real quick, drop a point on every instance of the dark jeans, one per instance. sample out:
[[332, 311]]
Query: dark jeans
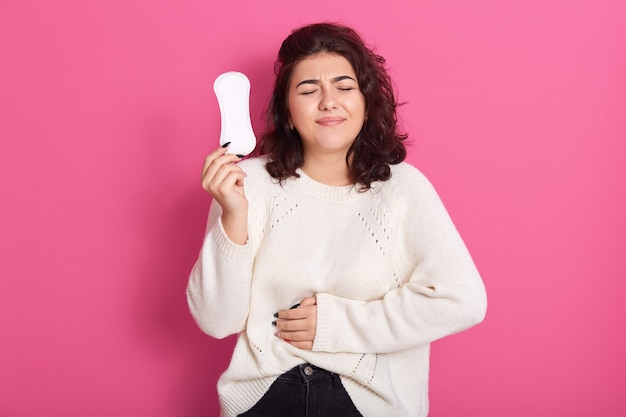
[[305, 391]]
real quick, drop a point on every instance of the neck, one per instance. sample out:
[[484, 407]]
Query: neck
[[328, 170]]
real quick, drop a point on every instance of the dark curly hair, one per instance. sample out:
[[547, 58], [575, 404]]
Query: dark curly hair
[[378, 144]]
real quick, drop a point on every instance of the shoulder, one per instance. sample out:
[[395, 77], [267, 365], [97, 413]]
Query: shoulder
[[405, 178], [405, 170], [408, 190]]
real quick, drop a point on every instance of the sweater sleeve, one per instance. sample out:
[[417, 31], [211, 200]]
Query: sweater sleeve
[[218, 290], [444, 293]]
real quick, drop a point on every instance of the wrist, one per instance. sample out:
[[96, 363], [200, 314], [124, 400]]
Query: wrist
[[236, 227]]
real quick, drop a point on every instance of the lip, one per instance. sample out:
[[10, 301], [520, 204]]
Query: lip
[[330, 121]]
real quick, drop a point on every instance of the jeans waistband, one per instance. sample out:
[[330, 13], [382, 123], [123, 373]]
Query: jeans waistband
[[306, 372]]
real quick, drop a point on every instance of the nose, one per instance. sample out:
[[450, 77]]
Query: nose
[[327, 100]]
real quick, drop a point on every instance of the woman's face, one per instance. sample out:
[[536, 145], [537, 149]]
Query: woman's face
[[325, 104]]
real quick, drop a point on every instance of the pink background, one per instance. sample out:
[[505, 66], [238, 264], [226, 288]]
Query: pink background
[[517, 112]]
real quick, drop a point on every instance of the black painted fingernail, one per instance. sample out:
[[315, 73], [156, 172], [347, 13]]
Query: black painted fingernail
[[276, 315], [240, 156], [274, 323], [295, 306], [226, 145]]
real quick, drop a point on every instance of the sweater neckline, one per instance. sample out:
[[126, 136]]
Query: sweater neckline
[[325, 191]]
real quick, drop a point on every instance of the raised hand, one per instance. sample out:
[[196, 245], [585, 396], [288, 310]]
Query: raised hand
[[223, 179]]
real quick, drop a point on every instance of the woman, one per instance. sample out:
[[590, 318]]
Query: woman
[[334, 261]]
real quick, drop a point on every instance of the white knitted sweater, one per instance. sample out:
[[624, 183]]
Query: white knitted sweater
[[389, 270]]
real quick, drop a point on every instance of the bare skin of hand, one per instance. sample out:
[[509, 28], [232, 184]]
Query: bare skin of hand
[[224, 181], [297, 325]]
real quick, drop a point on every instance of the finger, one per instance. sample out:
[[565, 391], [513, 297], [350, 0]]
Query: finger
[[211, 157], [299, 313], [216, 164], [301, 345], [222, 173], [299, 336], [292, 325], [309, 301], [295, 314], [216, 159], [216, 177]]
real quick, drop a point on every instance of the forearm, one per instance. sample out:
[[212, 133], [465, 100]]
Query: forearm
[[406, 317]]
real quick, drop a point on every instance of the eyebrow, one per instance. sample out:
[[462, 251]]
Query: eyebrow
[[334, 80]]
